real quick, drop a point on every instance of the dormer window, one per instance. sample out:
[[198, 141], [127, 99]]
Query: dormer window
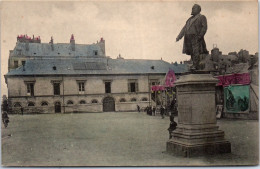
[[19, 52], [15, 64]]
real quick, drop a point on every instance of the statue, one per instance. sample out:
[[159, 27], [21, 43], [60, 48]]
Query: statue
[[193, 32]]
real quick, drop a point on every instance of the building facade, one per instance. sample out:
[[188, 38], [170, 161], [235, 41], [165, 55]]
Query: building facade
[[79, 78]]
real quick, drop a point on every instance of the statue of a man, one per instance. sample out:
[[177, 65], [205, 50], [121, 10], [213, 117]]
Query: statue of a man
[[193, 32]]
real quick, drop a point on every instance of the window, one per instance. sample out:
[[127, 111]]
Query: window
[[132, 86], [30, 104], [69, 102], [94, 101], [95, 52], [82, 102], [81, 86], [56, 88], [30, 89], [44, 104], [15, 64], [23, 62], [108, 87], [133, 100], [122, 100], [154, 82], [144, 99], [17, 104]]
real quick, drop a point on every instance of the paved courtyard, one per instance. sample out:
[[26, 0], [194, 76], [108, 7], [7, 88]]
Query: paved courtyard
[[112, 139]]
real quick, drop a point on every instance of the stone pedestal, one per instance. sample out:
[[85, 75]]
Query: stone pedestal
[[197, 132]]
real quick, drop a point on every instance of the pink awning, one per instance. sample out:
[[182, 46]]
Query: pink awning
[[227, 80], [158, 88]]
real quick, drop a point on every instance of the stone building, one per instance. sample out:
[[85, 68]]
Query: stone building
[[62, 78]]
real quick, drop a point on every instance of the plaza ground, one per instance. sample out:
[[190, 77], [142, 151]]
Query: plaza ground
[[113, 139]]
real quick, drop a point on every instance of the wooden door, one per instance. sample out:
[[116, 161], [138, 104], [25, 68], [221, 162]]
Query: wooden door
[[57, 107], [108, 104]]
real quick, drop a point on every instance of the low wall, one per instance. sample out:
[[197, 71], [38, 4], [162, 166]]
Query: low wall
[[131, 106], [94, 107]]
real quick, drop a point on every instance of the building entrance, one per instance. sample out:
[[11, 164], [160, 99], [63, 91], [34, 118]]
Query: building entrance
[[108, 104], [57, 107]]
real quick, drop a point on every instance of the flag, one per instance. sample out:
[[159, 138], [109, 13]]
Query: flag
[[170, 78]]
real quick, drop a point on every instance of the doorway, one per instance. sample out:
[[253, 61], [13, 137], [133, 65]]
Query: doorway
[[57, 107], [108, 104]]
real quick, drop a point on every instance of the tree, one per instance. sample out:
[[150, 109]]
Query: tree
[[4, 105]]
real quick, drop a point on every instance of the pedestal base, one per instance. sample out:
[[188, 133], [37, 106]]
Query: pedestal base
[[197, 132], [191, 150]]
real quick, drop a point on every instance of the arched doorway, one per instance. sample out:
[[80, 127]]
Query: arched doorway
[[57, 107], [108, 104]]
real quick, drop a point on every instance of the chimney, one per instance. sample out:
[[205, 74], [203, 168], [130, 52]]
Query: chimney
[[102, 46], [72, 42], [215, 54], [51, 42]]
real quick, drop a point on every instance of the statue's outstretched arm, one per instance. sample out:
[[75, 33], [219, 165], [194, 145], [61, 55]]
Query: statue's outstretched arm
[[181, 34]]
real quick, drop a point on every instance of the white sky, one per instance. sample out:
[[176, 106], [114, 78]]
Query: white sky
[[136, 30]]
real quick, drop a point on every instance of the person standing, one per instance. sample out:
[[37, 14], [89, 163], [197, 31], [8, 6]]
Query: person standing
[[22, 110], [154, 109], [138, 108], [162, 112], [5, 118], [194, 32], [172, 126]]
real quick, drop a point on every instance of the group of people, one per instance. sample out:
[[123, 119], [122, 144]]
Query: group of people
[[151, 110]]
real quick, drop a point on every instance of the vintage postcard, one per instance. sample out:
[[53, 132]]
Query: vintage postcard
[[129, 83]]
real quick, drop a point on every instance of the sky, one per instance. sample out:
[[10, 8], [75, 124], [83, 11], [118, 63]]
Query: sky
[[135, 29]]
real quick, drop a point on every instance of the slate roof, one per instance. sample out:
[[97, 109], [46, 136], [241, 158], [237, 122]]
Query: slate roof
[[60, 49], [106, 66]]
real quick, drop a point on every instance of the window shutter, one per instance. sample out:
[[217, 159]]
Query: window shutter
[[129, 87], [83, 86], [136, 86]]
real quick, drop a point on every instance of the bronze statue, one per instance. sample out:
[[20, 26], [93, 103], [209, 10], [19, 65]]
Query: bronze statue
[[193, 32]]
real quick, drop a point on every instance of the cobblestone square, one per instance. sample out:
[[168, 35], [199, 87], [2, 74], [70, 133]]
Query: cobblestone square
[[113, 139]]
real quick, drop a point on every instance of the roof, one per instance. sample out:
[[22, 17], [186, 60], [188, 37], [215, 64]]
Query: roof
[[102, 66], [59, 49], [238, 68]]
